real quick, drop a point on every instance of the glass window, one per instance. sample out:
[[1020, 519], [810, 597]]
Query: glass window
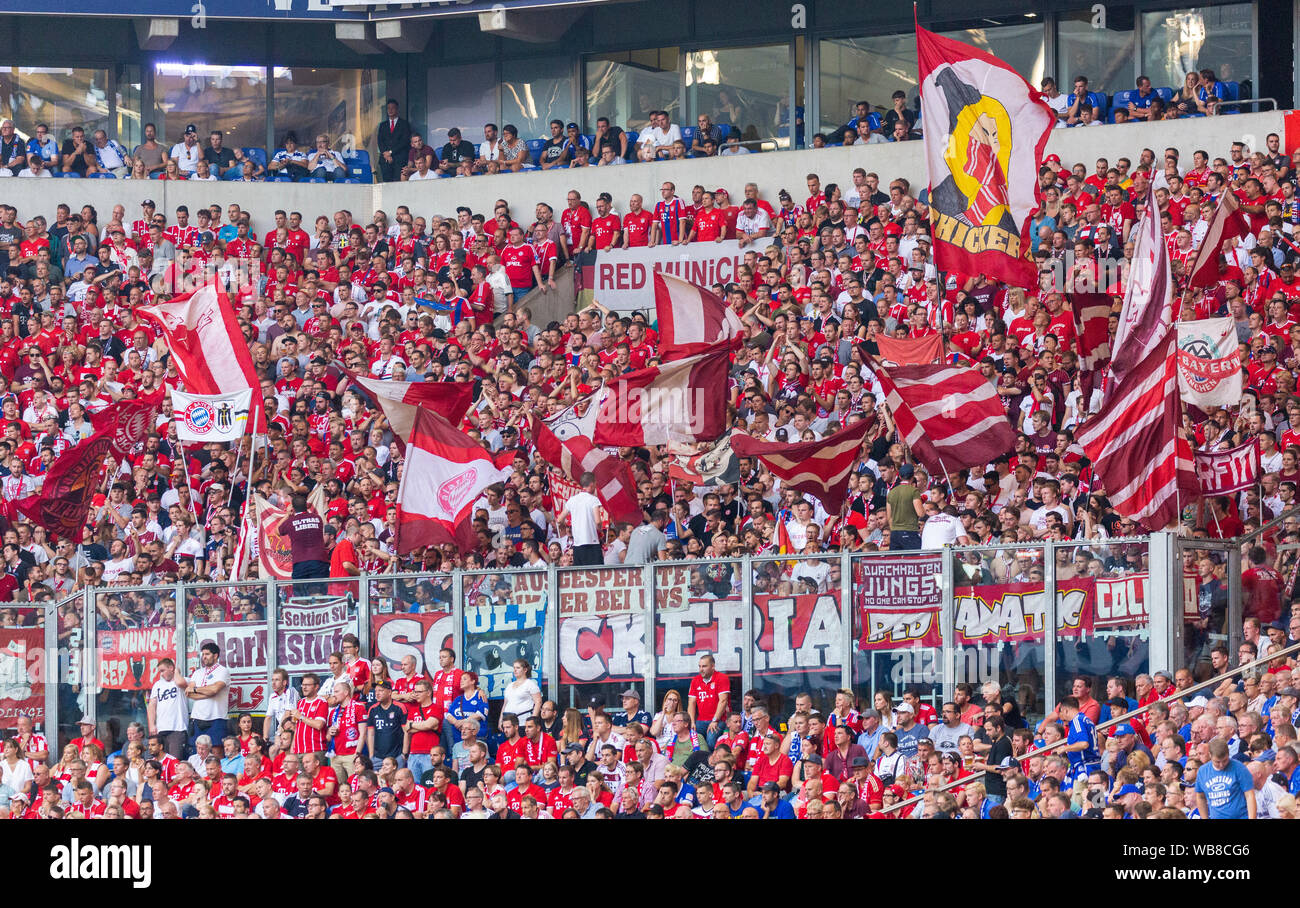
[[863, 69], [59, 97], [344, 104], [229, 99], [1176, 42], [462, 96], [534, 92], [1104, 55], [872, 69], [130, 130], [740, 87], [626, 86]]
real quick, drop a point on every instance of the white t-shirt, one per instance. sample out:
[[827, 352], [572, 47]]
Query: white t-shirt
[[186, 156], [427, 175], [582, 509], [519, 698], [169, 706], [212, 707], [940, 530]]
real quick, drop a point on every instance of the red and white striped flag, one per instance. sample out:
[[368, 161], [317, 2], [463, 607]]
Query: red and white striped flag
[[401, 399], [690, 318], [1133, 440], [1149, 297], [1227, 223], [685, 400], [950, 416], [444, 473], [211, 353], [615, 486], [817, 467], [1092, 325]]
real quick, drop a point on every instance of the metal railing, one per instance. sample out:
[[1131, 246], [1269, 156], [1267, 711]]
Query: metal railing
[[597, 630], [1101, 726]]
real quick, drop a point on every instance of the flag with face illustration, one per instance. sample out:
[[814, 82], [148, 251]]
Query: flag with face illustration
[[985, 131]]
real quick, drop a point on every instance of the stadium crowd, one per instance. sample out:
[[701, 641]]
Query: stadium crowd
[[438, 296]]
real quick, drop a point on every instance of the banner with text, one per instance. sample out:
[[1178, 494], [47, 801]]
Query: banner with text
[[897, 599], [22, 685], [623, 279], [418, 634], [128, 660], [505, 615]]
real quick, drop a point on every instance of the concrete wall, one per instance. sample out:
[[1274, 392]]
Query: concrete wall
[[772, 172]]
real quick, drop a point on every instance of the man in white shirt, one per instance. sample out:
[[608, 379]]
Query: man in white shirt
[[752, 223], [661, 134], [187, 152], [35, 167], [209, 688], [584, 511], [942, 528], [1055, 100], [167, 709]]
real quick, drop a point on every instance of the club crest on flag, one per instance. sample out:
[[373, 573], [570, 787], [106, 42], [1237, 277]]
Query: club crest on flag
[[453, 492], [1201, 366], [198, 417]]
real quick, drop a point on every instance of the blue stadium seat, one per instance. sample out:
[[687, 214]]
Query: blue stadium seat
[[103, 176], [688, 135], [631, 138], [73, 174], [591, 139], [258, 155], [535, 149], [358, 164], [1232, 90], [152, 176], [1098, 100], [1166, 93]]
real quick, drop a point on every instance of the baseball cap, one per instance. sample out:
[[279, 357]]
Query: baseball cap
[[904, 707], [859, 761], [1164, 674], [574, 748], [721, 191], [1128, 790], [771, 786], [1053, 158], [19, 796], [631, 692], [871, 714], [895, 790], [386, 789], [85, 721], [905, 471], [191, 128], [1198, 701], [1289, 692], [1122, 729]]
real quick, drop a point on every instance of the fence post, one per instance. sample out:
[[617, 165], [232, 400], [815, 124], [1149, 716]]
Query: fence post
[[1049, 624], [272, 633], [183, 630], [948, 624], [648, 631], [551, 634], [1235, 615], [1165, 605], [750, 652], [90, 658], [363, 616], [50, 727], [458, 615], [846, 621]]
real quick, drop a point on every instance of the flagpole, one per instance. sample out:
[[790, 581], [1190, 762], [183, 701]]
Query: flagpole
[[239, 449]]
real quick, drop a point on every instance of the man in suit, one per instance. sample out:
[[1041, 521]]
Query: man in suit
[[394, 140]]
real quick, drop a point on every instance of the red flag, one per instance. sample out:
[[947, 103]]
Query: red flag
[[211, 353], [444, 474], [685, 400], [615, 486], [817, 467], [950, 416], [70, 483], [985, 132], [1149, 297], [1133, 440], [1092, 325], [910, 351], [1227, 223], [690, 318], [400, 399]]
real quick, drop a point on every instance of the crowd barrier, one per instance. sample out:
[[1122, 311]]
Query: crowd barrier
[[1026, 617]]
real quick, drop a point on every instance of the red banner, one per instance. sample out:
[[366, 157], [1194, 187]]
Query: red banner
[[273, 552], [418, 634], [897, 599], [1010, 612], [128, 660], [910, 351], [1222, 472], [22, 685]]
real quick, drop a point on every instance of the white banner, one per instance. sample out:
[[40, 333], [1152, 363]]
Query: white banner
[[623, 279], [211, 417], [1209, 362]]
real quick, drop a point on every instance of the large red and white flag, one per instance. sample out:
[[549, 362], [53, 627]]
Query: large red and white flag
[[1092, 325], [401, 399], [685, 400], [950, 416], [1133, 440], [615, 486], [211, 353], [985, 131], [1226, 224], [690, 318], [444, 473], [820, 468], [1149, 297]]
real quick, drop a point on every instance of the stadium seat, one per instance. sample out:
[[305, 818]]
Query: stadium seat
[[258, 155], [358, 164], [1166, 93], [1232, 90], [688, 135], [103, 176], [1098, 100], [73, 174], [535, 147]]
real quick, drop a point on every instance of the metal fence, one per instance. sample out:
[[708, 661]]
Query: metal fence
[[1027, 618]]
